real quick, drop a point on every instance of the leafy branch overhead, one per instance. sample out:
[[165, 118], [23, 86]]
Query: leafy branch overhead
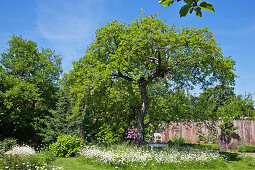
[[190, 6]]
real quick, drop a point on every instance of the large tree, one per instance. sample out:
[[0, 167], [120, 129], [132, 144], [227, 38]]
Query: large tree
[[145, 53], [28, 79]]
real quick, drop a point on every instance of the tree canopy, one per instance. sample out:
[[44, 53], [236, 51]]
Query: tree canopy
[[144, 53], [28, 79]]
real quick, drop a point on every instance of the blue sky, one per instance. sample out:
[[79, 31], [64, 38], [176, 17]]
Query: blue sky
[[67, 26]]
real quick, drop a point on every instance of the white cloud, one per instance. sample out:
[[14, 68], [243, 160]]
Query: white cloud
[[69, 25]]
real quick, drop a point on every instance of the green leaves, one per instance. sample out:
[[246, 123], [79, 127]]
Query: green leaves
[[191, 5], [166, 2], [28, 85], [184, 10], [198, 12], [206, 6], [188, 1]]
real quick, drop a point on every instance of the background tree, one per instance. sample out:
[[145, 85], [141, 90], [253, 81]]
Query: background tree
[[220, 101], [30, 82], [148, 52], [190, 6], [63, 121], [18, 100]]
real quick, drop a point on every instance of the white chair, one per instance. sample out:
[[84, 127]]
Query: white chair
[[157, 137]]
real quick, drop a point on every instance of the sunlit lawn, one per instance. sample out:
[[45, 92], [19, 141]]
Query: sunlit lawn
[[77, 163], [229, 161]]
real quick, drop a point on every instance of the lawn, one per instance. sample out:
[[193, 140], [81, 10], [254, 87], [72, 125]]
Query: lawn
[[130, 158], [77, 163], [124, 156]]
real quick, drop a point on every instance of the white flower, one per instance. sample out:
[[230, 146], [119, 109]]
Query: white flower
[[129, 155], [21, 150]]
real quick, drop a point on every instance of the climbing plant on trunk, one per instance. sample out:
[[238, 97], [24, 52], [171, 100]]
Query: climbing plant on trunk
[[145, 53]]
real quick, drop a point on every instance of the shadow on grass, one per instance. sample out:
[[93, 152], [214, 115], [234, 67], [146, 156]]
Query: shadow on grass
[[229, 156]]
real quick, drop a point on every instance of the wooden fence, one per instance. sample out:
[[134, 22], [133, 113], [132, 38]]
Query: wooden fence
[[190, 130]]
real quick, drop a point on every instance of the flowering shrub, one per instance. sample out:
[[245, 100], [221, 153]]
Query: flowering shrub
[[66, 146], [233, 146], [24, 157], [131, 137], [21, 150]]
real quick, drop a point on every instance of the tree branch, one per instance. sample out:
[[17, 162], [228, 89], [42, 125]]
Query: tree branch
[[149, 122], [123, 76]]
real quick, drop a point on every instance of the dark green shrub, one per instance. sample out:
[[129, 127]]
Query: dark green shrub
[[202, 138], [227, 130], [170, 143], [179, 140], [7, 144], [66, 146]]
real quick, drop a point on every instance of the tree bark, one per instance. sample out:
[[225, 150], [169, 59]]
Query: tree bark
[[141, 114]]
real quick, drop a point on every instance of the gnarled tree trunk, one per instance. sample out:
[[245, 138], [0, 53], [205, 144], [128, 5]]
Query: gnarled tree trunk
[[141, 114]]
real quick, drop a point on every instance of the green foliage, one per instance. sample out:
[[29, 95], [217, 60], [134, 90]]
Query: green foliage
[[246, 148], [201, 138], [221, 101], [66, 146], [60, 122], [242, 148], [111, 133], [191, 5], [28, 79], [7, 144], [238, 107], [208, 146], [179, 140], [227, 129]]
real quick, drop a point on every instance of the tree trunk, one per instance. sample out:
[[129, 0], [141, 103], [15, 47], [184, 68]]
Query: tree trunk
[[141, 114]]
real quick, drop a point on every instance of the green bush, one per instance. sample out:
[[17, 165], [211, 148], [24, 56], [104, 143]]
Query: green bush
[[170, 143], [246, 148], [179, 140], [242, 148], [7, 144], [66, 146], [250, 147], [210, 146], [110, 133], [202, 138]]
